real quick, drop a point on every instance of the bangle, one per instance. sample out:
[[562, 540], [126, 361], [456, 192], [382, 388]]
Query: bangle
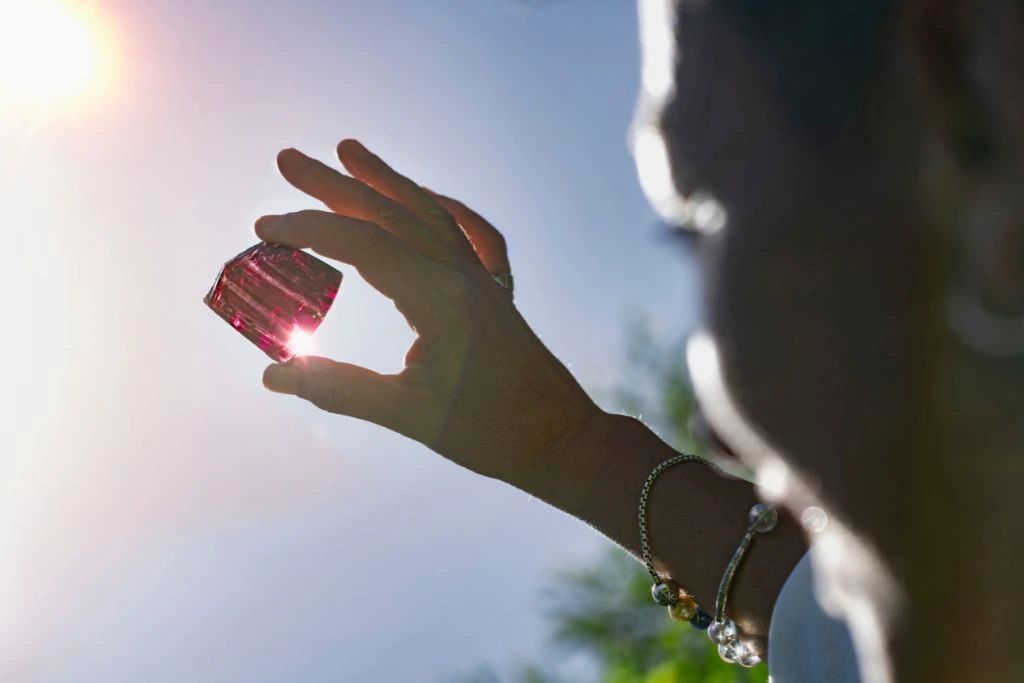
[[723, 631], [681, 605]]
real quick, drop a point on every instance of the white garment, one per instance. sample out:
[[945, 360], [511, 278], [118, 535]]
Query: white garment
[[806, 645]]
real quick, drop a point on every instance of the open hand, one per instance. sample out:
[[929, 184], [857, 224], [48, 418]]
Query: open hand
[[478, 386]]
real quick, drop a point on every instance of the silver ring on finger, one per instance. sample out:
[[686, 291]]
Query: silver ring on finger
[[504, 280]]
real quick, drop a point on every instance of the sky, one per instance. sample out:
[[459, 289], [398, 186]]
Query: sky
[[164, 518]]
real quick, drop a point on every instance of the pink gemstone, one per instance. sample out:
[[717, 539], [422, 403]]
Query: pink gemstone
[[269, 292]]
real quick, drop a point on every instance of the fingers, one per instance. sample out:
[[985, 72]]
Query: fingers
[[485, 238], [373, 171], [350, 197], [341, 388], [399, 272]]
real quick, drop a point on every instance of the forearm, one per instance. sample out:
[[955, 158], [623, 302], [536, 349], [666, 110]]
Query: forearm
[[696, 515]]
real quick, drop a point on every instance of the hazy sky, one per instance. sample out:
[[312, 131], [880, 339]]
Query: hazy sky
[[162, 517]]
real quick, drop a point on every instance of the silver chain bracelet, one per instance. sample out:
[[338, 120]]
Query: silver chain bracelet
[[681, 605]]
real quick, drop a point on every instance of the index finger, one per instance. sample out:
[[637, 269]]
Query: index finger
[[397, 271]]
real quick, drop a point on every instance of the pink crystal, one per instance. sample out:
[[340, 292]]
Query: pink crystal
[[268, 292]]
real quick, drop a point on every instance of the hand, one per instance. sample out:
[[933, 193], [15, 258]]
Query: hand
[[478, 386]]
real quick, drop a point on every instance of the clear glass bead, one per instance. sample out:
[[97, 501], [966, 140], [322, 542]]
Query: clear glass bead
[[738, 653], [748, 659], [721, 632], [766, 517], [665, 592], [729, 652]]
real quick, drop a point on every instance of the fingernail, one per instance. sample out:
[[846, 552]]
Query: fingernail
[[282, 379], [265, 224]]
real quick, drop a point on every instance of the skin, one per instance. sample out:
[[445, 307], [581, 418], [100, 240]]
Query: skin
[[480, 389], [860, 196]]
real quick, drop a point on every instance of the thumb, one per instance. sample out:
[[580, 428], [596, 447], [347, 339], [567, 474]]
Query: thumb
[[338, 388]]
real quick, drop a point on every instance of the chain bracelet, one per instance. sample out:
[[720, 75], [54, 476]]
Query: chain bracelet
[[645, 493], [681, 606]]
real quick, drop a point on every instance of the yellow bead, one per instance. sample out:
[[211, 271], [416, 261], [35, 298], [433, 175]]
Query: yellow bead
[[684, 610]]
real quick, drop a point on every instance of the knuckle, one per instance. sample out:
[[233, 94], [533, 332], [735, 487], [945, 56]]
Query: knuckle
[[381, 249], [303, 219], [365, 231], [375, 240], [318, 228], [458, 291], [437, 214], [322, 394], [390, 213], [326, 398]]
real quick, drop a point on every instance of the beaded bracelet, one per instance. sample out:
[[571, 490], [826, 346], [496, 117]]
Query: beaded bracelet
[[681, 605]]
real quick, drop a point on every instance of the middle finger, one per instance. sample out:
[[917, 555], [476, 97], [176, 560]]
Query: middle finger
[[350, 197], [375, 172]]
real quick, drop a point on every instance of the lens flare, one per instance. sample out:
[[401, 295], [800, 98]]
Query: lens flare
[[48, 49], [301, 342]]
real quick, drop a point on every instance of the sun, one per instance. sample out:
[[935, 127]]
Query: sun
[[49, 49]]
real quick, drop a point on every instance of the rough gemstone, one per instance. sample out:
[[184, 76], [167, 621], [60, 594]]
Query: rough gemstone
[[271, 292]]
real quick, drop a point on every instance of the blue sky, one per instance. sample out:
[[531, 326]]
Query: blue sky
[[162, 517]]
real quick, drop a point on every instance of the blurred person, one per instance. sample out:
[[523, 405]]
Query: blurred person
[[851, 173]]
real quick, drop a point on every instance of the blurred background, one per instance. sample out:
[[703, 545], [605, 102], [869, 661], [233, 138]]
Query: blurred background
[[164, 518]]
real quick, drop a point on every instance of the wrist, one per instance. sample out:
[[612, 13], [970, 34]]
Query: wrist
[[696, 515], [596, 470], [552, 466]]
